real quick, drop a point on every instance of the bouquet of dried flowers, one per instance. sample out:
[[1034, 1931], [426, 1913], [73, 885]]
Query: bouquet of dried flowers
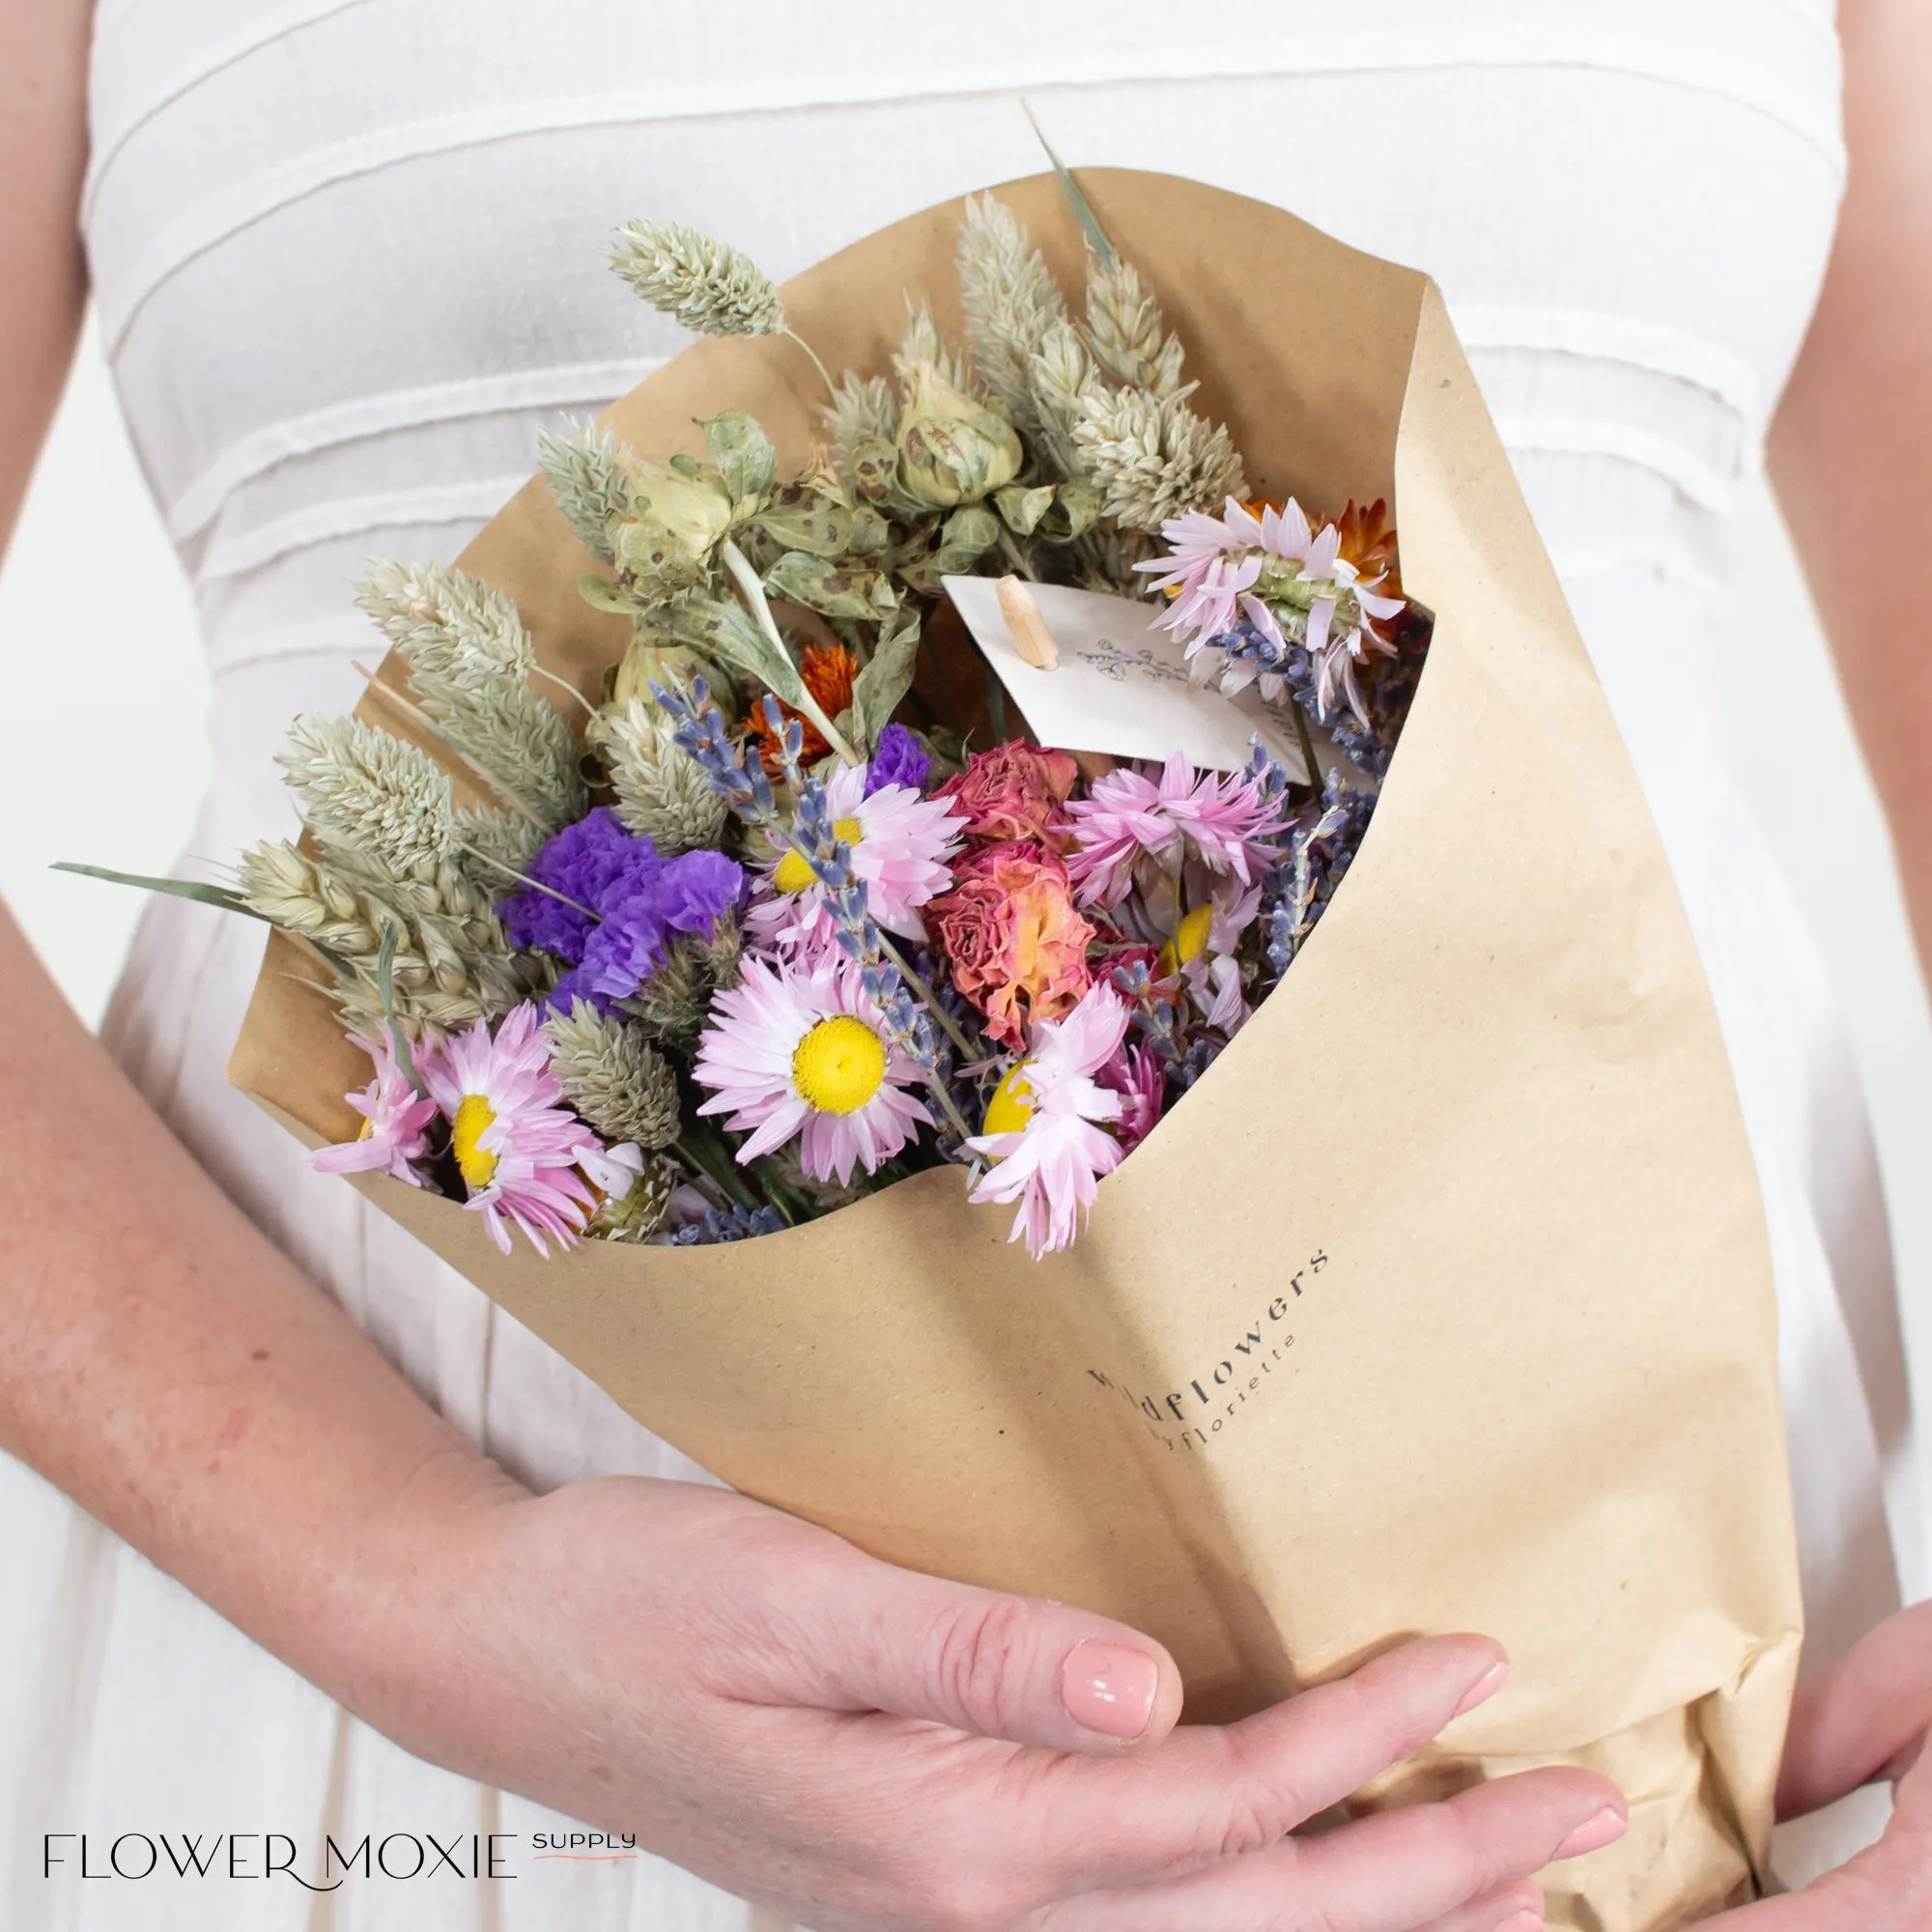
[[832, 834], [770, 929]]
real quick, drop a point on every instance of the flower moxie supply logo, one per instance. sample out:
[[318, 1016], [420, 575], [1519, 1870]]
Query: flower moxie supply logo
[[400, 1856], [1188, 1417]]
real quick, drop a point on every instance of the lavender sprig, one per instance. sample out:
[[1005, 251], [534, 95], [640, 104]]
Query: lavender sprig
[[1320, 853], [1156, 1021], [727, 1224], [908, 1022], [741, 782]]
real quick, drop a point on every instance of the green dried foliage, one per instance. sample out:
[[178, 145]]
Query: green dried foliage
[[861, 410], [673, 1003], [453, 964], [614, 1076], [662, 791], [517, 737], [1061, 379], [454, 628], [642, 1212], [468, 657], [1011, 302], [364, 793], [922, 349], [708, 286], [499, 844], [1124, 330], [1154, 458], [589, 480]]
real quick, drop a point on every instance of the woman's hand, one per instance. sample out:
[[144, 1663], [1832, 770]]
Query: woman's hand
[[861, 1747], [1864, 1718], [856, 1744]]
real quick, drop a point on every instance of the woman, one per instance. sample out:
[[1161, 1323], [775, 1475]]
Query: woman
[[346, 255]]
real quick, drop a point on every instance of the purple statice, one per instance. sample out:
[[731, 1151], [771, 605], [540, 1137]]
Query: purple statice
[[687, 894], [696, 890], [898, 758], [592, 862]]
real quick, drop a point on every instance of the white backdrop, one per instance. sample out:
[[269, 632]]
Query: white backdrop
[[101, 759]]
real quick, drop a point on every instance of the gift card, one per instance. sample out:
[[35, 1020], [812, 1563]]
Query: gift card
[[1119, 683]]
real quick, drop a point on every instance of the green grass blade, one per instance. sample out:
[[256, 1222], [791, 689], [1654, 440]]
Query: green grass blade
[[1083, 209], [177, 889]]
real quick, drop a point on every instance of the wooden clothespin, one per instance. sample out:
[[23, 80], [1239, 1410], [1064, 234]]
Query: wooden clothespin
[[1026, 626]]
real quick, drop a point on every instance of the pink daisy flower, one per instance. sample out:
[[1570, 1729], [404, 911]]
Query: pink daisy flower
[[1051, 1157], [1201, 953], [1197, 542], [1216, 817], [797, 1048], [395, 1123], [1213, 565], [900, 843], [1338, 651], [525, 1161], [1137, 1074]]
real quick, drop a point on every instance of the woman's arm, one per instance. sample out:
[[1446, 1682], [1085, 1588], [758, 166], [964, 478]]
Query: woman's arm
[[42, 155], [1850, 447]]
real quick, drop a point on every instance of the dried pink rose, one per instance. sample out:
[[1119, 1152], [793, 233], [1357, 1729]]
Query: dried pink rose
[[1014, 791], [1018, 946]]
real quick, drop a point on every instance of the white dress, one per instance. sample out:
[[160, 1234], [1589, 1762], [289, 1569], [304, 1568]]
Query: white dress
[[348, 258]]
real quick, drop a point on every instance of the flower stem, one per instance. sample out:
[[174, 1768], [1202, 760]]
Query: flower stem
[[720, 1173], [825, 374], [385, 985], [948, 1025], [1307, 742], [564, 684], [523, 878], [952, 1114], [740, 566], [1022, 563]]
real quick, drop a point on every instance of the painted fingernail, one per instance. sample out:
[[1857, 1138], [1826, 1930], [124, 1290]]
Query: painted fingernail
[[1485, 1687], [1108, 1688], [1594, 1833]]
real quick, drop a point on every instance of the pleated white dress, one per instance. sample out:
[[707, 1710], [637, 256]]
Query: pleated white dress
[[349, 259]]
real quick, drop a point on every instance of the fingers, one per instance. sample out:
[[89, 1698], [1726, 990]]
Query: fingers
[[1422, 1866], [875, 1637], [1208, 1792], [1859, 1718], [1516, 1907]]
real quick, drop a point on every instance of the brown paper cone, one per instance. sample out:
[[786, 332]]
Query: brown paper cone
[[1442, 1303]]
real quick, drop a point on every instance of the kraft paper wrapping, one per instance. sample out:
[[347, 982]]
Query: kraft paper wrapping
[[1442, 1303]]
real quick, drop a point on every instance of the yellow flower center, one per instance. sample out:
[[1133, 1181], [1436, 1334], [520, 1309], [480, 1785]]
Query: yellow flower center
[[794, 874], [474, 1115], [1189, 939], [1012, 1106], [839, 1066]]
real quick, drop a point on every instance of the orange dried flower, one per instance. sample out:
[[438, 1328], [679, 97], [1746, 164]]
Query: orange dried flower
[[828, 671], [1368, 542]]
